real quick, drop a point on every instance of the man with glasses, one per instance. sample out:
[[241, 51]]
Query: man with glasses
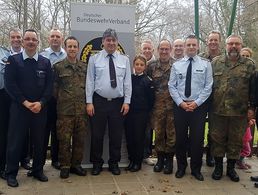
[[15, 38], [162, 113], [230, 103], [28, 81]]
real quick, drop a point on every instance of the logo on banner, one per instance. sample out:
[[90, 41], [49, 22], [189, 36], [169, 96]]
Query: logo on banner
[[94, 46]]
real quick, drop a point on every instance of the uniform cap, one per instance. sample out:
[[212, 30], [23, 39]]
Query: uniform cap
[[109, 33]]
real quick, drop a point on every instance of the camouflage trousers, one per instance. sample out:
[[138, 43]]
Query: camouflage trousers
[[71, 132], [163, 124], [227, 134]]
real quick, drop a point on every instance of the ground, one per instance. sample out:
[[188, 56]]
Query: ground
[[143, 182]]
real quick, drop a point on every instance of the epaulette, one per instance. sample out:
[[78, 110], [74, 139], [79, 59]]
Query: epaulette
[[42, 51], [57, 63], [218, 57], [251, 60], [3, 47], [244, 60], [82, 63], [123, 54], [7, 62], [149, 78], [95, 54], [152, 62], [205, 59], [202, 54]]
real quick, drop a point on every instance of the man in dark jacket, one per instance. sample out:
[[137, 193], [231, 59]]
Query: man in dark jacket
[[28, 81]]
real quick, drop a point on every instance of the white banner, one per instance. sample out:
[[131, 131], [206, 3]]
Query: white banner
[[99, 17]]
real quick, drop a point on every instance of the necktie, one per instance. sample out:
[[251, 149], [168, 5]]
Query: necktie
[[112, 71], [188, 79]]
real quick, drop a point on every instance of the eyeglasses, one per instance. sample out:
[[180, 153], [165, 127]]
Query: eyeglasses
[[164, 49], [232, 43], [31, 39]]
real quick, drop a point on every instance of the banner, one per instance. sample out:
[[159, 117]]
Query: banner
[[89, 21]]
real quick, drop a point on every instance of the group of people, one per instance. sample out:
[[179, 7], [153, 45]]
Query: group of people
[[52, 91]]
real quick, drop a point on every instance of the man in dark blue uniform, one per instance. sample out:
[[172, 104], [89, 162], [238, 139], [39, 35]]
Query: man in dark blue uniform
[[15, 38], [28, 81]]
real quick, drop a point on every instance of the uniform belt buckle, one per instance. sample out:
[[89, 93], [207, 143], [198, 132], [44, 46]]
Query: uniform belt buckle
[[109, 99]]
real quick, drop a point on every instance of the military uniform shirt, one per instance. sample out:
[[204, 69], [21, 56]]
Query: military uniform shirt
[[53, 56], [201, 82], [160, 72], [70, 87], [231, 86], [98, 79]]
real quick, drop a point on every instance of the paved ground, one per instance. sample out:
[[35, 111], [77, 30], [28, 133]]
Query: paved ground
[[141, 183]]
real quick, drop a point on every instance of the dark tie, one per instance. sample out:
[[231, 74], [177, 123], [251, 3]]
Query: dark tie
[[188, 79], [112, 71]]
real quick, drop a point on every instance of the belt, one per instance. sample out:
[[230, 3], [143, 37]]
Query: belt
[[107, 99]]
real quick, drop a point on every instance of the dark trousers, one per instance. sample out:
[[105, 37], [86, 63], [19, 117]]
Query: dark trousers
[[4, 120], [148, 142], [5, 103], [51, 129], [195, 123], [106, 113], [21, 120], [135, 128]]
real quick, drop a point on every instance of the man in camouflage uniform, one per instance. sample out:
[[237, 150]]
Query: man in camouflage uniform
[[213, 50], [231, 98], [213, 45], [162, 116], [71, 109]]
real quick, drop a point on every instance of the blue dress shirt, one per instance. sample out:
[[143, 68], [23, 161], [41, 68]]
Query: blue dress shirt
[[201, 82], [4, 54], [98, 79], [53, 56]]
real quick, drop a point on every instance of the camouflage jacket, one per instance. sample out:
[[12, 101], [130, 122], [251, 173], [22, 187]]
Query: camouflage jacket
[[70, 87], [160, 76], [206, 55], [231, 86]]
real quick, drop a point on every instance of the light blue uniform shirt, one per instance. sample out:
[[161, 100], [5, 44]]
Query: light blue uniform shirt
[[98, 79], [4, 54], [53, 56], [201, 82]]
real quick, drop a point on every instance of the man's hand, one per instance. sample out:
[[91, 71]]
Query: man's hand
[[184, 105], [90, 109], [188, 106], [36, 107], [125, 109], [27, 104], [191, 106]]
